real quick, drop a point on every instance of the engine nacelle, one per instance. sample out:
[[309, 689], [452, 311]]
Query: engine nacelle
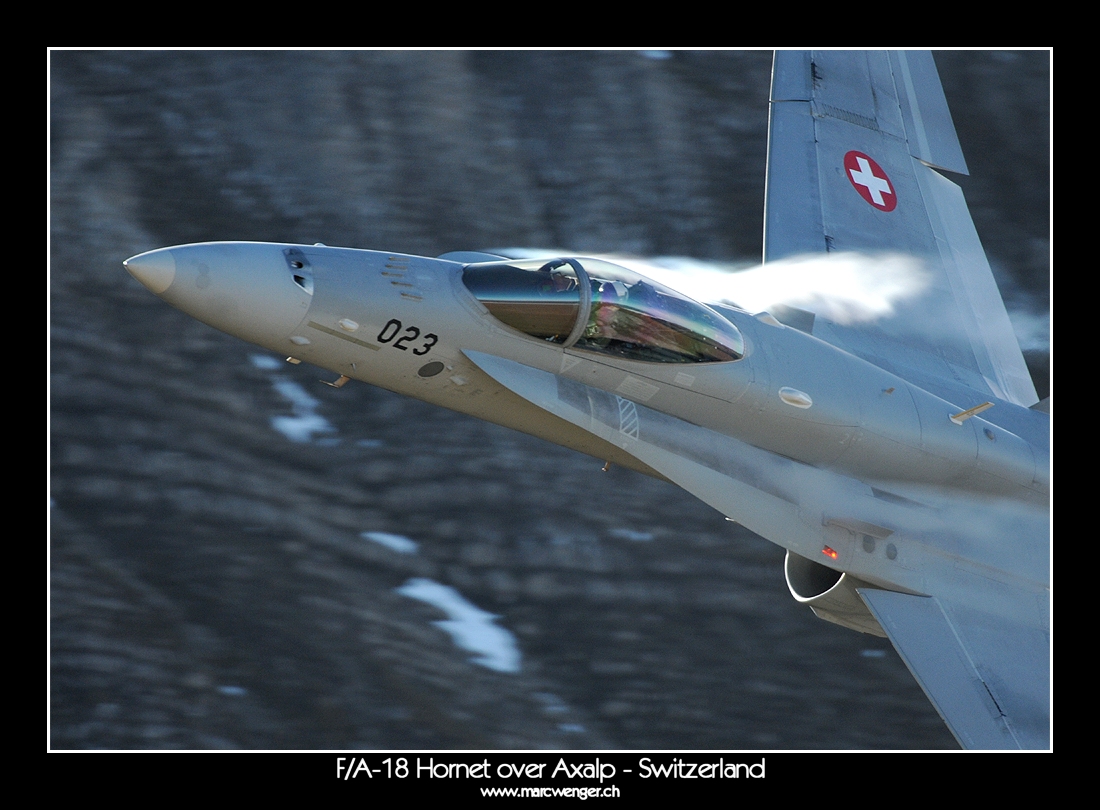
[[830, 594]]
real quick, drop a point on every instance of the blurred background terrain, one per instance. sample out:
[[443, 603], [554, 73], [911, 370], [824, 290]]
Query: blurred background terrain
[[244, 558]]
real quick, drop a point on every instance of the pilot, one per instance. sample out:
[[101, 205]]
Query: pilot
[[554, 283]]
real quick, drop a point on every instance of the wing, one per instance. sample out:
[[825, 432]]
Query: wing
[[980, 671], [856, 138]]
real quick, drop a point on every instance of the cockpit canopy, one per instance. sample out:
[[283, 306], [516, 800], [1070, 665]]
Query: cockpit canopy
[[595, 305]]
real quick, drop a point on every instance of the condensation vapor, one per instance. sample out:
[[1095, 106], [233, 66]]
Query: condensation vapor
[[846, 288]]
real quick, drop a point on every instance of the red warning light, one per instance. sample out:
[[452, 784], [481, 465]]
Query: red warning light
[[829, 552]]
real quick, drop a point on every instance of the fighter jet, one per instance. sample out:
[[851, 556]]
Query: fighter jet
[[903, 461]]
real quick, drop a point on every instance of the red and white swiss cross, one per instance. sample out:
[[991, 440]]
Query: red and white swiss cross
[[872, 183]]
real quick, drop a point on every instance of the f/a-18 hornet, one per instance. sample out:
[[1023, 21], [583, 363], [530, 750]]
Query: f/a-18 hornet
[[903, 462]]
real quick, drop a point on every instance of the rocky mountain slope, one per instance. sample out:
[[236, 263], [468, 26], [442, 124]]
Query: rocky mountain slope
[[221, 578]]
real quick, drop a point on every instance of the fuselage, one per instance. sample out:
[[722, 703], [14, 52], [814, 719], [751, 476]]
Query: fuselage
[[866, 479], [404, 323]]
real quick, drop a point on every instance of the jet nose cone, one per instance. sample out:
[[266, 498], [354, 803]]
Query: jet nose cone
[[155, 269]]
